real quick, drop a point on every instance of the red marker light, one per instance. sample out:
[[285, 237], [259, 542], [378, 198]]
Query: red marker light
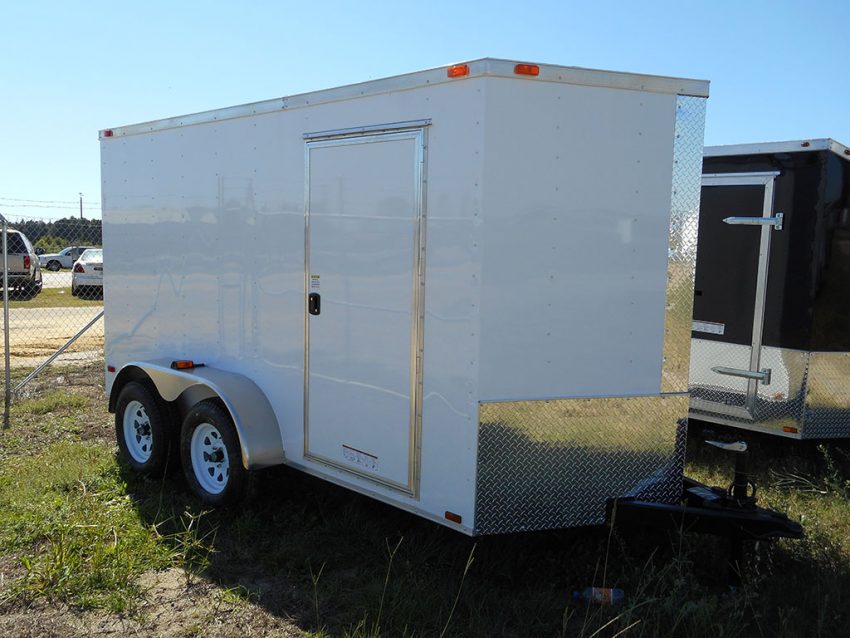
[[527, 69], [805, 144], [454, 518], [110, 368], [458, 71]]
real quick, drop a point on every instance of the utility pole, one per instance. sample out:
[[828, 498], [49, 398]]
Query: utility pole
[[81, 205]]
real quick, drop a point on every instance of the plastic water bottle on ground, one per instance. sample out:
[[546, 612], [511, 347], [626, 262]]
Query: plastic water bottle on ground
[[600, 595]]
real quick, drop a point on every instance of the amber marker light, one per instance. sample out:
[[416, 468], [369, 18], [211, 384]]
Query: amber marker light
[[527, 69], [790, 430], [182, 364], [458, 71], [454, 518]]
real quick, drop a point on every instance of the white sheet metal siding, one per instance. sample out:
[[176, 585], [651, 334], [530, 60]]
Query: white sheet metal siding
[[576, 219], [204, 234]]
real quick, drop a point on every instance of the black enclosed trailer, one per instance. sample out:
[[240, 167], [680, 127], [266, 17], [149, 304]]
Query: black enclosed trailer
[[770, 347]]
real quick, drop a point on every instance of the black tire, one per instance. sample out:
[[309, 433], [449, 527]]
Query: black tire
[[234, 486], [75, 292], [53, 265], [33, 288], [160, 433]]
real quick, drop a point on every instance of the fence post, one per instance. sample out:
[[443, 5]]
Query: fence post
[[7, 399]]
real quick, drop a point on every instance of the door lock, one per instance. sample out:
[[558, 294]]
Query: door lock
[[314, 303]]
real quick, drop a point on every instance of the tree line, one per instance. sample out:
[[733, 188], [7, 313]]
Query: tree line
[[52, 236]]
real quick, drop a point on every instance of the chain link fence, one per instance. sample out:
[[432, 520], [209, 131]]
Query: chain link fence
[[52, 297]]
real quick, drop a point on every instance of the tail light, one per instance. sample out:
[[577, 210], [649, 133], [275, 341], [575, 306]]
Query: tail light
[[78, 267], [26, 262]]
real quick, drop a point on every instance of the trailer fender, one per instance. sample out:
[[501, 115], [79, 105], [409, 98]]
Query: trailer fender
[[252, 414]]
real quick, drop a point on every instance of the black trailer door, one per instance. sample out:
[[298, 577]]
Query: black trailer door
[[735, 227]]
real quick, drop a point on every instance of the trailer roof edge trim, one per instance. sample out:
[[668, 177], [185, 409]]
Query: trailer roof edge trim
[[790, 146], [485, 67]]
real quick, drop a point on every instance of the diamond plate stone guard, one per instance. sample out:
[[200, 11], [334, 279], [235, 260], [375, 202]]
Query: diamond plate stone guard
[[555, 464], [682, 249]]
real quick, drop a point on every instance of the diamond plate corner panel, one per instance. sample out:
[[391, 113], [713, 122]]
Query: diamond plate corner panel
[[723, 399], [682, 249], [555, 464], [828, 396]]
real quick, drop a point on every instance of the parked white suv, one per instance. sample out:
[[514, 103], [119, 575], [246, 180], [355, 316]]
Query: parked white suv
[[65, 258]]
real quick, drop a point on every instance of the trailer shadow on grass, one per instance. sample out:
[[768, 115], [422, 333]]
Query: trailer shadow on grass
[[337, 563]]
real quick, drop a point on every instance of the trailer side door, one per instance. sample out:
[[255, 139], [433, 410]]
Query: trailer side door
[[364, 223]]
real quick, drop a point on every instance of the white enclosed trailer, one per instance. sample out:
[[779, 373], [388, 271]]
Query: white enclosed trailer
[[465, 291]]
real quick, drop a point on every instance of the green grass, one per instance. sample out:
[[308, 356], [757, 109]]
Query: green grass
[[50, 401], [54, 298], [83, 530], [67, 512]]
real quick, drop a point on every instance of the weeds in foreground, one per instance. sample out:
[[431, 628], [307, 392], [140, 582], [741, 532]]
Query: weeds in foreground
[[83, 532]]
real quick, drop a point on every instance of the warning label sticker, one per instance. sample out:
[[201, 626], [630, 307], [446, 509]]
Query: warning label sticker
[[314, 282]]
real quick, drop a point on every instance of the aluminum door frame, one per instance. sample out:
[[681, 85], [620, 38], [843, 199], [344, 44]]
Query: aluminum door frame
[[416, 130], [767, 180]]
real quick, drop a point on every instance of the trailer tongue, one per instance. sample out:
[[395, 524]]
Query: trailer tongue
[[730, 512]]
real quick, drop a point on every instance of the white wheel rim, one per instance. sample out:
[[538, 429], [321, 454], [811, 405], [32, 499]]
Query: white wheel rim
[[209, 458], [137, 432]]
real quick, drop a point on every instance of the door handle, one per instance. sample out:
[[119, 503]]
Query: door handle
[[762, 375], [314, 303], [775, 221]]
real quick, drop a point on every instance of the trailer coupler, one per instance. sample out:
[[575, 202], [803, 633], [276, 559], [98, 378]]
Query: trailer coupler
[[732, 512], [706, 510]]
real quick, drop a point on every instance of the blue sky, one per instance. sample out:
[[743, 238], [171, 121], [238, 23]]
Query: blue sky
[[778, 70]]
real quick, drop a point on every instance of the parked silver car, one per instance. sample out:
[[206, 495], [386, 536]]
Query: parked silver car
[[87, 275], [65, 258]]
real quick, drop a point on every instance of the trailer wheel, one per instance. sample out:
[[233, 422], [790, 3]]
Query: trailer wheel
[[142, 430], [212, 457]]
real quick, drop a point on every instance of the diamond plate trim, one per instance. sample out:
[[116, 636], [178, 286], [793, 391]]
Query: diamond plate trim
[[555, 464], [682, 249], [828, 396]]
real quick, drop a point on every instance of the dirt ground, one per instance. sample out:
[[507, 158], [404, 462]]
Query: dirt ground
[[36, 333], [170, 609]]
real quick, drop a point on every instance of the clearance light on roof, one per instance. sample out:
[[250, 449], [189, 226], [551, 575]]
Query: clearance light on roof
[[107, 133], [805, 144], [847, 151], [527, 69], [458, 71]]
